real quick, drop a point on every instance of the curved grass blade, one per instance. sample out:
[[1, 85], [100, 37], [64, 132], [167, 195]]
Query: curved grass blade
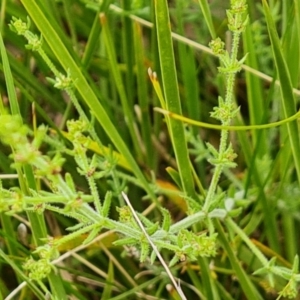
[[171, 94], [221, 127], [291, 54]]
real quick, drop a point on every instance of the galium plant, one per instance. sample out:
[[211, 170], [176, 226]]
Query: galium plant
[[210, 211], [75, 204]]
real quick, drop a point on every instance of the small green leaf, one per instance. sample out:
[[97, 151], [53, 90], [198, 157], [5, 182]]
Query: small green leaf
[[173, 261], [166, 224], [175, 176], [70, 182], [106, 204], [145, 248], [153, 257], [92, 235], [126, 241]]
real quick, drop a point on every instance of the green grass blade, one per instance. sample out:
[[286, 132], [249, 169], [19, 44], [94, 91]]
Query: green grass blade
[[188, 70], [291, 50], [243, 279], [253, 175], [28, 80], [297, 17], [286, 89], [127, 52], [93, 39], [107, 293], [256, 103], [170, 87], [207, 16], [291, 55], [209, 284], [141, 74], [2, 15], [13, 101], [127, 108], [67, 6]]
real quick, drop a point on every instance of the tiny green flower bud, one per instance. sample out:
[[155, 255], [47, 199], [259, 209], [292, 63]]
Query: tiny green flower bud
[[217, 46]]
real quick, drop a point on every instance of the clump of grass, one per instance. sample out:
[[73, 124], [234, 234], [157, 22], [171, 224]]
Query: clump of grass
[[210, 209]]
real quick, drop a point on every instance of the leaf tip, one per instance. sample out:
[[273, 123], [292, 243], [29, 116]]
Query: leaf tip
[[152, 75]]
